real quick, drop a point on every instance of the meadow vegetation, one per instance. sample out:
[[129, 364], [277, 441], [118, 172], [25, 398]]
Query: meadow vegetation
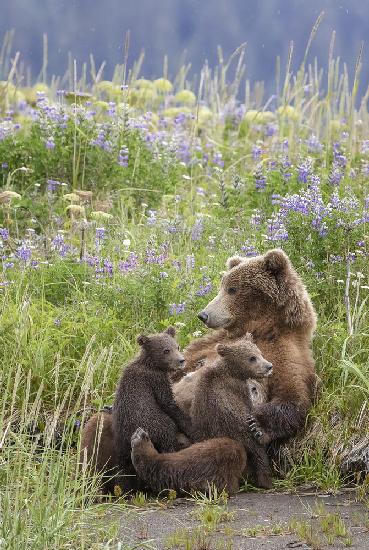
[[120, 202]]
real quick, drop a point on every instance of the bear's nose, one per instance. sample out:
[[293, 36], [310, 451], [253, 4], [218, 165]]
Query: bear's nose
[[182, 361], [269, 366], [203, 316]]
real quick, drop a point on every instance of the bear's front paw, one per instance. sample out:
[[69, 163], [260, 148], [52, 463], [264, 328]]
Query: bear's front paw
[[256, 432], [139, 436]]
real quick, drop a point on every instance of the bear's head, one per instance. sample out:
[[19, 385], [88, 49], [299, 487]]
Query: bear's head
[[263, 287], [243, 359], [161, 350]]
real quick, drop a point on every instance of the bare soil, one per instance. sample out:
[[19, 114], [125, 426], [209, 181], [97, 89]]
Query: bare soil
[[256, 521]]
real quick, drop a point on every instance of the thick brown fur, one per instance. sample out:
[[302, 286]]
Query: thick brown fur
[[144, 398], [223, 401], [98, 450], [265, 296], [219, 461], [184, 390]]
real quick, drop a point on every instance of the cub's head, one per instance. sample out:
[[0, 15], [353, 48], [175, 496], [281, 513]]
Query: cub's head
[[256, 288], [161, 350], [244, 358]]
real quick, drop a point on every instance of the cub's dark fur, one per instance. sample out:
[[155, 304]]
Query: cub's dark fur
[[222, 402], [98, 450], [220, 461], [144, 399]]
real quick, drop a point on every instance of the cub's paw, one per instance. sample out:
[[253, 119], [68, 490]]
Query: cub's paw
[[139, 436], [254, 428]]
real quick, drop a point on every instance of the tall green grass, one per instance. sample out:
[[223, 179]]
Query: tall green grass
[[66, 331]]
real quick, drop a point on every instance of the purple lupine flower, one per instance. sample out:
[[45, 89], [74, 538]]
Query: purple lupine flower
[[271, 129], [50, 144], [335, 175], [4, 165], [334, 259], [276, 230], [256, 219], [152, 219], [57, 322], [177, 309], [276, 199], [304, 170], [59, 245], [260, 178], [350, 257], [130, 264], [8, 265], [338, 157], [52, 185], [197, 229], [100, 234], [204, 288], [108, 267], [24, 253], [4, 234], [249, 250], [218, 160], [152, 257], [256, 152], [92, 260], [163, 275], [314, 144]]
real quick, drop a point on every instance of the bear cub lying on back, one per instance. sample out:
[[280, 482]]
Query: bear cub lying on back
[[222, 402], [144, 398]]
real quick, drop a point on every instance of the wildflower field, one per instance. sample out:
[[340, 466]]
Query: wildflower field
[[120, 201]]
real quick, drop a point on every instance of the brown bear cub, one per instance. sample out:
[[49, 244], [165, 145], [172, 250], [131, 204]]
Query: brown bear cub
[[219, 461], [98, 451], [144, 398], [223, 401]]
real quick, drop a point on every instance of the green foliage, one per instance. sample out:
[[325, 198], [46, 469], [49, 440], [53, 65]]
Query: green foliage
[[104, 244]]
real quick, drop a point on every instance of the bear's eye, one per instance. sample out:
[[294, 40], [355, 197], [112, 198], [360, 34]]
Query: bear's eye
[[232, 290], [252, 358], [166, 351]]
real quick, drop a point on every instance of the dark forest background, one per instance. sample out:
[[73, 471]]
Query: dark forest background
[[172, 26]]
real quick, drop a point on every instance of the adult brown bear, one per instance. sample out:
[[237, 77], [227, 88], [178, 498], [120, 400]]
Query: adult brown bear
[[265, 296]]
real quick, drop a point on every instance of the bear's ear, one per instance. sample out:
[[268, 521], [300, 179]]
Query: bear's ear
[[248, 337], [276, 261], [143, 340], [171, 331], [222, 349], [233, 261]]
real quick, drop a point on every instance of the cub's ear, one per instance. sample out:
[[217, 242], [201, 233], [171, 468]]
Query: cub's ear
[[248, 337], [222, 349], [171, 331], [233, 261], [143, 340], [276, 261]]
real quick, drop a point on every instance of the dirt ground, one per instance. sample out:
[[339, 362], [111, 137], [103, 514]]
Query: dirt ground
[[252, 521]]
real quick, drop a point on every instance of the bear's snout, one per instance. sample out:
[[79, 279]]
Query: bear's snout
[[182, 361], [203, 316]]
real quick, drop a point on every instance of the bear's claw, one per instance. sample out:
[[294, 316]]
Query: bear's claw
[[254, 427], [138, 436]]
